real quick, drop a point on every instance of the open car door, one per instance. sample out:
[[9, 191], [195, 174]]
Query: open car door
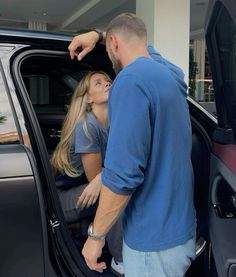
[[221, 45]]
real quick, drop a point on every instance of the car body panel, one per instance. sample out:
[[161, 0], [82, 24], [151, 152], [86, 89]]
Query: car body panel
[[22, 232], [221, 52]]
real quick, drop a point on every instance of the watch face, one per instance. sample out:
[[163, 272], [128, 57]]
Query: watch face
[[92, 236]]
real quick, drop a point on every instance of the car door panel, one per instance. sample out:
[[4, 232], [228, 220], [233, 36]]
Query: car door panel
[[222, 235], [23, 250], [220, 38], [222, 216]]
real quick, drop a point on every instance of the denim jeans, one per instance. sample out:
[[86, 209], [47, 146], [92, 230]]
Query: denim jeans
[[172, 262]]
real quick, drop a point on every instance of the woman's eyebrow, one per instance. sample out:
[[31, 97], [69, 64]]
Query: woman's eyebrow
[[98, 79]]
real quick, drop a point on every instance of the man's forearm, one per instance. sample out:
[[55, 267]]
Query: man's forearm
[[103, 39], [109, 209]]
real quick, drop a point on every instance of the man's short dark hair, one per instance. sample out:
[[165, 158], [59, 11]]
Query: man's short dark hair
[[127, 24]]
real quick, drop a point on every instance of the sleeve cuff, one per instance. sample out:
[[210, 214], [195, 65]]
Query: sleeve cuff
[[112, 182]]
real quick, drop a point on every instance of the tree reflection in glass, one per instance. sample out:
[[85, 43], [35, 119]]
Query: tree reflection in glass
[[3, 118]]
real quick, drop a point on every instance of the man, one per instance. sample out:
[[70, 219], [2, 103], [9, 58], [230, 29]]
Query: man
[[148, 171]]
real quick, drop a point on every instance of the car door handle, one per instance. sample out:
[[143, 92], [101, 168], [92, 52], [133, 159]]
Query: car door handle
[[223, 199], [233, 200]]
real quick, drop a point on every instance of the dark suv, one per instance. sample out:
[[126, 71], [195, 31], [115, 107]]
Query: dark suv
[[37, 79]]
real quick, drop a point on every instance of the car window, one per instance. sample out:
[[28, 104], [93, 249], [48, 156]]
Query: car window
[[200, 79], [8, 130], [44, 81]]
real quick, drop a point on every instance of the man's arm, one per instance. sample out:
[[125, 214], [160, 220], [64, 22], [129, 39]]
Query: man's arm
[[82, 44], [109, 209]]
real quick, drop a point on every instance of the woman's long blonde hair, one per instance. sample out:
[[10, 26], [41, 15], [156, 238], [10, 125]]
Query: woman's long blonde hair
[[78, 110]]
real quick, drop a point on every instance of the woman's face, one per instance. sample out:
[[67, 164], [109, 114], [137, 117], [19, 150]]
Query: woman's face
[[99, 88]]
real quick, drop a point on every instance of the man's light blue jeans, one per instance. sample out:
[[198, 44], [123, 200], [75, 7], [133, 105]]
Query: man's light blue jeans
[[172, 262]]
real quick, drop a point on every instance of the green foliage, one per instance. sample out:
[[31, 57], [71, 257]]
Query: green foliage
[[3, 118]]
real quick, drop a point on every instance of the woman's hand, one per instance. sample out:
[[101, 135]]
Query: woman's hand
[[90, 194]]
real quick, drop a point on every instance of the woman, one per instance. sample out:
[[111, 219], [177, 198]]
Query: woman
[[79, 156]]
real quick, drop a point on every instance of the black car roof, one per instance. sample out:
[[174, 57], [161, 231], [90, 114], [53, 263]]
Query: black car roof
[[98, 58], [34, 34], [33, 37]]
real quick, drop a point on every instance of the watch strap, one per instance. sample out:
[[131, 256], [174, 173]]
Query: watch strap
[[100, 34], [92, 236]]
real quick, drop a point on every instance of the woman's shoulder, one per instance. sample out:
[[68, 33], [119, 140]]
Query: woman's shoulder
[[92, 122], [87, 124]]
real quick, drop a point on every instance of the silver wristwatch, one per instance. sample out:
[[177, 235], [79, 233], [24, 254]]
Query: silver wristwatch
[[92, 236]]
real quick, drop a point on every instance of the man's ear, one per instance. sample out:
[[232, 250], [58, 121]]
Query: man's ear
[[114, 43]]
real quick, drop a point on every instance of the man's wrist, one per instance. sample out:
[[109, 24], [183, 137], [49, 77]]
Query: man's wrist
[[100, 35], [94, 236]]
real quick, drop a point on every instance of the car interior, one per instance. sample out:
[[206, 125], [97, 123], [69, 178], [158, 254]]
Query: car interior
[[50, 80]]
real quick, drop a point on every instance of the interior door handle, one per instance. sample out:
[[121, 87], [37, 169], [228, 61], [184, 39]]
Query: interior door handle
[[233, 199], [223, 198], [214, 188]]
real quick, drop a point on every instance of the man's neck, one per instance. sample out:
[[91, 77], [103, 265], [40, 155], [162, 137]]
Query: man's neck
[[126, 50], [131, 54]]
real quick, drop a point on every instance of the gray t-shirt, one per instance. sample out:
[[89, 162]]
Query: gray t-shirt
[[94, 141]]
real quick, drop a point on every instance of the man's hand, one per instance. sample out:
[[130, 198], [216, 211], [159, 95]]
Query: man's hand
[[90, 194], [82, 44], [92, 250]]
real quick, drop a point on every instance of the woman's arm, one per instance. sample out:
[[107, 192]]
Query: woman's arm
[[92, 164]]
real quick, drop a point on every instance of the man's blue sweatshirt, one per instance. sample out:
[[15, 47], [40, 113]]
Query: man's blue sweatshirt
[[149, 153]]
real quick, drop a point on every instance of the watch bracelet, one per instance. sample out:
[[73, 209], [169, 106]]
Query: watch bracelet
[[92, 236]]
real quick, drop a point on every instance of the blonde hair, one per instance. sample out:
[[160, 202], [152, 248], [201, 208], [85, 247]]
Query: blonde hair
[[78, 110]]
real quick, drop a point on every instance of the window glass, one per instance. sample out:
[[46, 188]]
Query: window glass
[[200, 79], [8, 131]]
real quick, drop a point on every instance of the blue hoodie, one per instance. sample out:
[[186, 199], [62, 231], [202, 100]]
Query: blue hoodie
[[149, 153]]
